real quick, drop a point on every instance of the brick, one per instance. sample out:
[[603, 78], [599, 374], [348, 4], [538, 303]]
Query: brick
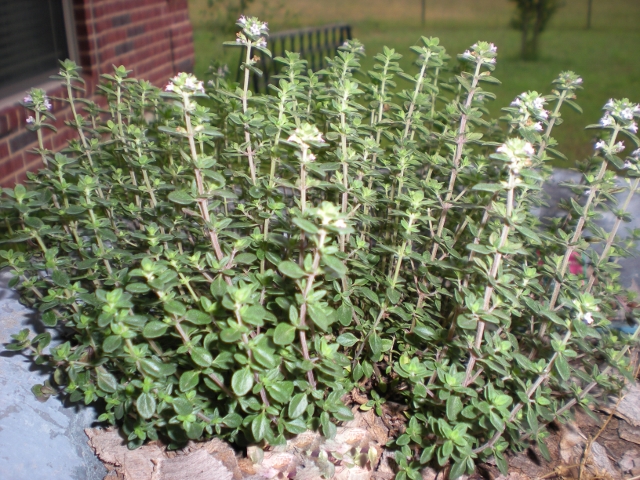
[[124, 48], [4, 151], [11, 165], [22, 141], [121, 20], [4, 126], [135, 31]]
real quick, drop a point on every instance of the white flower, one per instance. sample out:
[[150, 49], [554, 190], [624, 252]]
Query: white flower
[[30, 120], [609, 105], [600, 145], [262, 43], [537, 126], [493, 48], [468, 55], [633, 128], [626, 114], [538, 103], [242, 20], [588, 319], [47, 103], [607, 120], [627, 164], [27, 99], [340, 223], [579, 80], [618, 147], [636, 154], [517, 102], [169, 88], [587, 192]]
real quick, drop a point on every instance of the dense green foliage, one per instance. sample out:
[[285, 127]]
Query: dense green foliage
[[236, 269]]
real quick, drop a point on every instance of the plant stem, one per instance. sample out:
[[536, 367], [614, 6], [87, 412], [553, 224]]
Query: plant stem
[[460, 142], [247, 135], [497, 259]]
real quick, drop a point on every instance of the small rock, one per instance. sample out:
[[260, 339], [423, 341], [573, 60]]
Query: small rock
[[428, 474], [629, 407], [629, 433], [629, 461]]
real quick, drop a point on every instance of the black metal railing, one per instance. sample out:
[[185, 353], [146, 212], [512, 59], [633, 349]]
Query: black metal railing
[[313, 44]]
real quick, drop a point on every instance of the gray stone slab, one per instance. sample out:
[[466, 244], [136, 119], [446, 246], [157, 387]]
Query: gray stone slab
[[630, 271], [38, 440]]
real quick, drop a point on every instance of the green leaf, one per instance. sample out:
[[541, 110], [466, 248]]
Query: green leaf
[[182, 406], [368, 293], [291, 269], [347, 339], [175, 307], [146, 405], [245, 259], [454, 407], [197, 317], [298, 405], [137, 288], [393, 295], [60, 278], [375, 344], [259, 427], [181, 197], [189, 380], [319, 317], [488, 187], [423, 331], [284, 334], [154, 329], [458, 469], [254, 315], [233, 420], [344, 313], [305, 225], [194, 430], [49, 319], [328, 428], [562, 367], [530, 234], [111, 343], [335, 264], [280, 391], [544, 450], [201, 356], [106, 381], [296, 426], [242, 381]]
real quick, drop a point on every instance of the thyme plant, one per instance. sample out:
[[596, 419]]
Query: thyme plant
[[224, 263]]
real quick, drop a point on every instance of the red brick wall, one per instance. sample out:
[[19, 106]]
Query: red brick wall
[[151, 37]]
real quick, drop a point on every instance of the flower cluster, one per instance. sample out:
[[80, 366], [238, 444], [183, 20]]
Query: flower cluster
[[568, 81], [517, 152], [621, 114], [184, 84], [306, 133], [254, 32], [633, 161], [481, 52], [614, 149], [37, 101], [330, 216], [528, 111]]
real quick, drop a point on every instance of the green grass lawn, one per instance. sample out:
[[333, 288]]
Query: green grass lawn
[[607, 56]]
